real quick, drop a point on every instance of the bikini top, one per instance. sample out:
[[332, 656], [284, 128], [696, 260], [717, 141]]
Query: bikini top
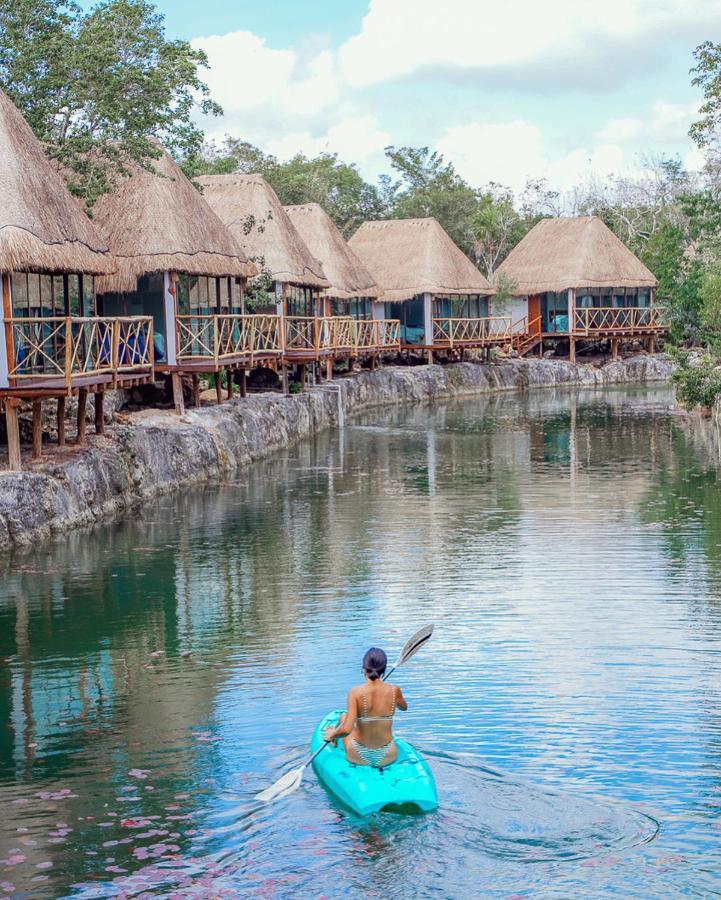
[[364, 717]]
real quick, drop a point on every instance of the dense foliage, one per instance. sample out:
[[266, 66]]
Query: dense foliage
[[697, 379], [97, 88]]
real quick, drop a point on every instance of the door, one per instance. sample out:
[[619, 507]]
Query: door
[[534, 314]]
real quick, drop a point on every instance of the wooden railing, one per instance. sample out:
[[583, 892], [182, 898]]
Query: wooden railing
[[468, 332], [64, 348], [591, 321], [315, 335], [218, 338], [525, 332], [376, 334]]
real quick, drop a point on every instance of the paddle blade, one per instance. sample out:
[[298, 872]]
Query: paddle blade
[[414, 644], [285, 785]]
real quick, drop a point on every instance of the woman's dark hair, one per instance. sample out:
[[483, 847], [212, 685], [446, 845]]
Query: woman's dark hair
[[374, 663]]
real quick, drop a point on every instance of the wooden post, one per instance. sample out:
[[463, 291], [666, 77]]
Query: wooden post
[[652, 344], [301, 376], [572, 348], [284, 378], [429, 357], [243, 381], [100, 412], [614, 349], [196, 391], [178, 393], [229, 383], [37, 429], [373, 362], [82, 409], [329, 369], [218, 388], [7, 311], [13, 430], [61, 421]]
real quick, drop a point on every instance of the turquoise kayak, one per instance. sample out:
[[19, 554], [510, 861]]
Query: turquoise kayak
[[406, 785]]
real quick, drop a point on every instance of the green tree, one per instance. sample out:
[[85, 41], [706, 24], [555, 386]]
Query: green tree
[[98, 88], [707, 75], [429, 186], [497, 227]]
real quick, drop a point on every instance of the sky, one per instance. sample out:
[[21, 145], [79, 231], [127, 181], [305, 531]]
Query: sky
[[507, 91]]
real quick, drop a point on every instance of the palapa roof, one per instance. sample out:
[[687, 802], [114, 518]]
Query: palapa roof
[[348, 276], [42, 226], [415, 256], [558, 254], [236, 198], [156, 221]]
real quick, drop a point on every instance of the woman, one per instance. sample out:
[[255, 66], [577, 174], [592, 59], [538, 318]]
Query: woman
[[367, 727]]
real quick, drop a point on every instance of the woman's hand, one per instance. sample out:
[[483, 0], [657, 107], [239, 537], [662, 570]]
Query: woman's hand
[[330, 736]]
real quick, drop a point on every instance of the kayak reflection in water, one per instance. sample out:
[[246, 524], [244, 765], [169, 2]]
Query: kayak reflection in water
[[367, 726]]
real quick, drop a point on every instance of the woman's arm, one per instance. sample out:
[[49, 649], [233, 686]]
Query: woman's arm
[[346, 724], [401, 701]]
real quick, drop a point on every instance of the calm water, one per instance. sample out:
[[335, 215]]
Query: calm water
[[156, 673]]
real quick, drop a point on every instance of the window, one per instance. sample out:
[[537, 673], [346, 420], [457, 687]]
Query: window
[[74, 296], [236, 288]]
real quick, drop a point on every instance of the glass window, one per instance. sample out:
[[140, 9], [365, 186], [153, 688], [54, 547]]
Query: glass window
[[213, 299], [88, 295], [182, 294], [59, 295], [74, 295], [644, 297], [20, 293], [193, 293], [236, 286], [34, 295]]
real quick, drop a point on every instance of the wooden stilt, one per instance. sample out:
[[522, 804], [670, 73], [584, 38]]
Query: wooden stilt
[[614, 348], [100, 412], [37, 429], [243, 382], [229, 383], [301, 376], [652, 344], [284, 378], [373, 362], [178, 394], [61, 421], [196, 391], [13, 430], [82, 409], [572, 349], [429, 357], [218, 388], [329, 369]]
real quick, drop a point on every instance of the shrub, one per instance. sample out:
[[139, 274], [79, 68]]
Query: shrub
[[697, 379]]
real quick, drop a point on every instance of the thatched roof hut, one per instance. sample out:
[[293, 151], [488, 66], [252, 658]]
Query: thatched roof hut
[[415, 256], [583, 252], [42, 227], [241, 200], [156, 221], [348, 277]]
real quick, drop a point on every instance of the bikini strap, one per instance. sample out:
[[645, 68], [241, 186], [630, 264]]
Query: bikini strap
[[393, 707]]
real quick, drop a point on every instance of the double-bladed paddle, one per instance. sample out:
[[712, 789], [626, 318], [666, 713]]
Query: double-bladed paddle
[[290, 782]]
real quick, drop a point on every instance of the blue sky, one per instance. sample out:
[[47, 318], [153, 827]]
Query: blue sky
[[565, 90]]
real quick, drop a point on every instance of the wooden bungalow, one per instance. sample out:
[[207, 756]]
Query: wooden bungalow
[[439, 296], [353, 289], [52, 344], [250, 208], [573, 280], [177, 262]]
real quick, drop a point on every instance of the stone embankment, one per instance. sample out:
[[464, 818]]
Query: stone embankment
[[155, 452]]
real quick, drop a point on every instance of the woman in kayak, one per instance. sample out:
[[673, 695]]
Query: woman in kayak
[[367, 727]]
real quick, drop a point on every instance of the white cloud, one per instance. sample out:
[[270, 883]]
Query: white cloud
[[399, 38], [666, 122], [246, 75], [354, 138], [511, 153]]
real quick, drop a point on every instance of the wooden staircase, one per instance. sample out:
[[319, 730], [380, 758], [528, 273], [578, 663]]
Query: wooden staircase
[[526, 335]]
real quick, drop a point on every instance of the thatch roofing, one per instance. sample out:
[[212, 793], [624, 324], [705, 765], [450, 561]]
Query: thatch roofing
[[156, 221], [348, 276], [42, 227], [558, 254], [237, 198], [415, 256]]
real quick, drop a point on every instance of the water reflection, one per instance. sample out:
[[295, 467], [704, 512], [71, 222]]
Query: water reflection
[[155, 672]]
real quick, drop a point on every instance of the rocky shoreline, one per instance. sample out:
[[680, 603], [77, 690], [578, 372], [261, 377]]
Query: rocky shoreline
[[155, 452]]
